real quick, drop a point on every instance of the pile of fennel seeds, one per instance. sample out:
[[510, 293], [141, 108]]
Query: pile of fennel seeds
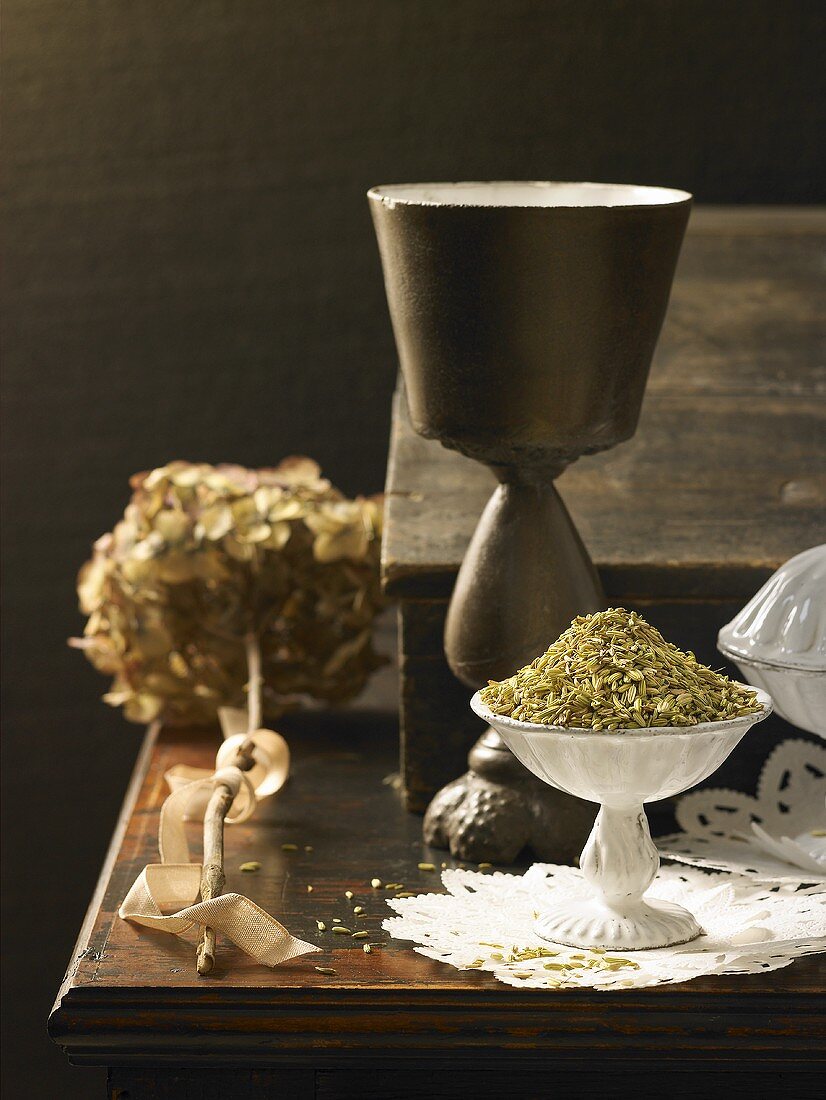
[[613, 670]]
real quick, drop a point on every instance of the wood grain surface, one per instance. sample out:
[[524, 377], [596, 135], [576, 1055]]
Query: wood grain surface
[[132, 998], [726, 476]]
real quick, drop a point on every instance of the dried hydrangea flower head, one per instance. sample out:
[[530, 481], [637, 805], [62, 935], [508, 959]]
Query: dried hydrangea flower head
[[207, 558], [613, 670]]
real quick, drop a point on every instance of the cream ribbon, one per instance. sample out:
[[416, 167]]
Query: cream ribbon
[[175, 882]]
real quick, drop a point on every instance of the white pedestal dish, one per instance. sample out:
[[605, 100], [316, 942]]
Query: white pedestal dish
[[621, 770]]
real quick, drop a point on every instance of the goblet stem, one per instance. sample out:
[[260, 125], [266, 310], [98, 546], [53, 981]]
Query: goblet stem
[[619, 859], [525, 575]]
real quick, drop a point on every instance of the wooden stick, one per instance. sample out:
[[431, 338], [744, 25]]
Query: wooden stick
[[212, 876], [255, 683]]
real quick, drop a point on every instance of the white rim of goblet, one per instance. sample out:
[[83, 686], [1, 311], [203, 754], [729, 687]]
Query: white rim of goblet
[[580, 195], [722, 726]]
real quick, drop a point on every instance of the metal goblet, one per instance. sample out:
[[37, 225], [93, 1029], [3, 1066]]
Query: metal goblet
[[525, 316]]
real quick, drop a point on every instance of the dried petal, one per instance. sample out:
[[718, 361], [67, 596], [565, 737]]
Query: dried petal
[[215, 522]]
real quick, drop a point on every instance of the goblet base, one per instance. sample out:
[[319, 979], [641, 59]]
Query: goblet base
[[644, 925]]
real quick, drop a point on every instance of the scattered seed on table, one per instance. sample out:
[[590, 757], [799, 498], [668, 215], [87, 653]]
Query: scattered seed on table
[[251, 867], [322, 927], [309, 888], [326, 970], [308, 847], [375, 883], [485, 866], [360, 935], [426, 867], [357, 909], [406, 894], [289, 847], [340, 930], [348, 894], [375, 945], [367, 949], [394, 886]]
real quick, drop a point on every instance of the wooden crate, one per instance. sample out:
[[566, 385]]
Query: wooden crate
[[724, 480]]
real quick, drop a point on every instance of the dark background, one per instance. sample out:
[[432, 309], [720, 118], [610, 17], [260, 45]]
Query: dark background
[[191, 272]]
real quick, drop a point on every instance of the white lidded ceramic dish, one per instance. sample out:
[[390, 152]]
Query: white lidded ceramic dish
[[778, 640]]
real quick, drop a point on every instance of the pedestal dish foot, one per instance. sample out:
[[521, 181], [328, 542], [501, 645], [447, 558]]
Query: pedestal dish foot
[[591, 924]]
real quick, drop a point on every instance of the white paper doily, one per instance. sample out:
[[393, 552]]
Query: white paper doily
[[778, 836], [485, 922]]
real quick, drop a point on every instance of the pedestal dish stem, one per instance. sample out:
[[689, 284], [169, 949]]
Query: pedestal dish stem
[[619, 859]]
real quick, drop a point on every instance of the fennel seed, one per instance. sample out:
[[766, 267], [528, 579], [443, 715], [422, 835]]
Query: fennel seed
[[613, 670]]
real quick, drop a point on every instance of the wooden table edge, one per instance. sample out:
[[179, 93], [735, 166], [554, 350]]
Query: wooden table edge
[[139, 772]]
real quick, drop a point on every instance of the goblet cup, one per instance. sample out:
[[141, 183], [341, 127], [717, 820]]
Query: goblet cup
[[621, 770], [525, 316]]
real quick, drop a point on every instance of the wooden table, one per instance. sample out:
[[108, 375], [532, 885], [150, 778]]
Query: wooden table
[[390, 1024], [724, 480]]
